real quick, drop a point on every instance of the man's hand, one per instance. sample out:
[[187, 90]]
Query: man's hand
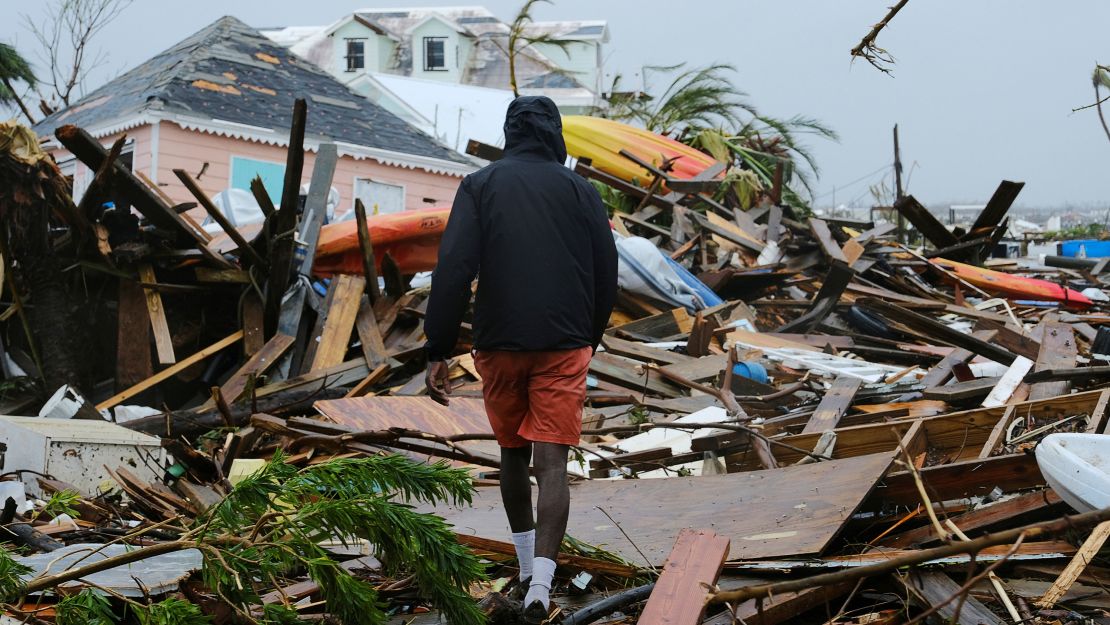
[[436, 379]]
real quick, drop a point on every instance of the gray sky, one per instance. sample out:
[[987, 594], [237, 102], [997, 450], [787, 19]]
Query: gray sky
[[982, 90]]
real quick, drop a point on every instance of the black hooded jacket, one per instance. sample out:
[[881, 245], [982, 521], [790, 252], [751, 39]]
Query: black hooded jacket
[[537, 236]]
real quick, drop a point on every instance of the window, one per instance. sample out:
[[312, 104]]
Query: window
[[435, 55], [380, 198], [356, 54]]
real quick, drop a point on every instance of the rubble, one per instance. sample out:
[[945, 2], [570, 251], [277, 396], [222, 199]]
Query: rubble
[[790, 418]]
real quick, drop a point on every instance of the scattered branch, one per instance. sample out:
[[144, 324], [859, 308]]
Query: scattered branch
[[879, 58]]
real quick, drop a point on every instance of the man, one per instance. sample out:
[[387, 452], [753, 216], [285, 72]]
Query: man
[[537, 236]]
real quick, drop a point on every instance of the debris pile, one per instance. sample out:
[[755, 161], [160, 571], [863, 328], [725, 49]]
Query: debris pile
[[790, 418]]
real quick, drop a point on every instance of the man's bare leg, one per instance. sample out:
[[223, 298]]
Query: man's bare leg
[[553, 508]]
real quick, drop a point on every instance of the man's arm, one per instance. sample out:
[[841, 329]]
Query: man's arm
[[460, 252], [605, 264]]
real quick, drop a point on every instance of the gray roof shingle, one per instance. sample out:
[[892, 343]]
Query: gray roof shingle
[[231, 72]]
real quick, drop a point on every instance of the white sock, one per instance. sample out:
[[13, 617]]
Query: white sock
[[543, 572], [525, 543]]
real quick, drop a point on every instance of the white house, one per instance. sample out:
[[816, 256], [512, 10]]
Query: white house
[[457, 45]]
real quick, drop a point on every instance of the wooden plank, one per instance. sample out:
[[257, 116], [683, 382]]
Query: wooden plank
[[679, 595], [1014, 511], [369, 335], [363, 388], [642, 352], [366, 248], [624, 372], [699, 369], [1058, 351], [829, 247], [833, 405], [285, 220], [978, 388], [782, 608], [254, 331], [833, 285], [336, 336], [937, 330], [464, 415], [1006, 336], [163, 340], [133, 363], [663, 325], [1008, 383], [933, 587], [169, 372], [1087, 551], [997, 207], [761, 512], [245, 249], [997, 434], [255, 366], [926, 224]]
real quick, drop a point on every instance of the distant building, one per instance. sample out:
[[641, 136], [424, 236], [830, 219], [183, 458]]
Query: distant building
[[461, 45], [221, 102]]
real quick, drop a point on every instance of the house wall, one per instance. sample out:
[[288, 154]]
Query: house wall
[[138, 144], [189, 150], [453, 55], [582, 59]]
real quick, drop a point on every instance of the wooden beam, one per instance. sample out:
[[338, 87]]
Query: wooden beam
[[133, 363], [255, 366], [1020, 509], [1057, 351], [369, 335], [997, 207], [245, 249], [169, 372], [284, 221], [934, 587], [163, 340], [365, 246], [1008, 383], [1087, 551], [936, 329], [834, 404], [694, 564], [836, 281], [336, 334], [829, 247], [926, 224]]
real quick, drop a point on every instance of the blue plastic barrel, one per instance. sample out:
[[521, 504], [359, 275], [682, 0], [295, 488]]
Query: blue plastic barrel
[[752, 370]]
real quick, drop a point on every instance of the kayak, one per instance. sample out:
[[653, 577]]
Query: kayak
[[411, 238], [601, 141], [1013, 286], [1077, 467]]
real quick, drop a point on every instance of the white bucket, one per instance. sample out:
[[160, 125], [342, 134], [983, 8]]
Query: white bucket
[[63, 404]]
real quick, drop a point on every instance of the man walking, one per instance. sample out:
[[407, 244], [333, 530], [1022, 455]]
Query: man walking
[[537, 237]]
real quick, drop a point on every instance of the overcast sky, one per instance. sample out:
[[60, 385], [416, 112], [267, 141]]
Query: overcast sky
[[982, 91]]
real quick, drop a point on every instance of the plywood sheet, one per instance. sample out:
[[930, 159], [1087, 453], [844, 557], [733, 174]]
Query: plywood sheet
[[464, 415], [766, 514]]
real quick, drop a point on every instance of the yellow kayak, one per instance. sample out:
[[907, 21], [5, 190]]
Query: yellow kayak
[[601, 140]]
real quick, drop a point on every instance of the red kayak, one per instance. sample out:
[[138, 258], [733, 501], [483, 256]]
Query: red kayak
[[410, 237], [1015, 287]]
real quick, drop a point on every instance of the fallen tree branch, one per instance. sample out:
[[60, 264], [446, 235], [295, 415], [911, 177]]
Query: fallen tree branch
[[872, 53], [1033, 531]]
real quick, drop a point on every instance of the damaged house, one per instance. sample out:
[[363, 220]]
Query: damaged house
[[218, 105]]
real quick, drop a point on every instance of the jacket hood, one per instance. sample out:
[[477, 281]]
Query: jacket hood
[[533, 126]]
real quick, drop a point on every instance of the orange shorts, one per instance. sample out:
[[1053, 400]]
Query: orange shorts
[[534, 396]]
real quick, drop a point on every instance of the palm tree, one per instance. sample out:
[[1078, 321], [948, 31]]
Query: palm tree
[[519, 40], [704, 108], [14, 67]]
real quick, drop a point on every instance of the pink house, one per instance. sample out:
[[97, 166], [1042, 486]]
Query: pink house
[[219, 105]]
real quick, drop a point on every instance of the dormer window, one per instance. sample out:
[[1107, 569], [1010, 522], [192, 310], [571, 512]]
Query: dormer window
[[435, 54], [356, 54]]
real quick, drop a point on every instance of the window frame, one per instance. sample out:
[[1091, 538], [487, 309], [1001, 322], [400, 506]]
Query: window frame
[[443, 54], [349, 57]]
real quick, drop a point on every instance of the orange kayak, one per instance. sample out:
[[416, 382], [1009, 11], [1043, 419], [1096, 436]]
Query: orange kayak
[[601, 140], [1014, 287], [410, 237]]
